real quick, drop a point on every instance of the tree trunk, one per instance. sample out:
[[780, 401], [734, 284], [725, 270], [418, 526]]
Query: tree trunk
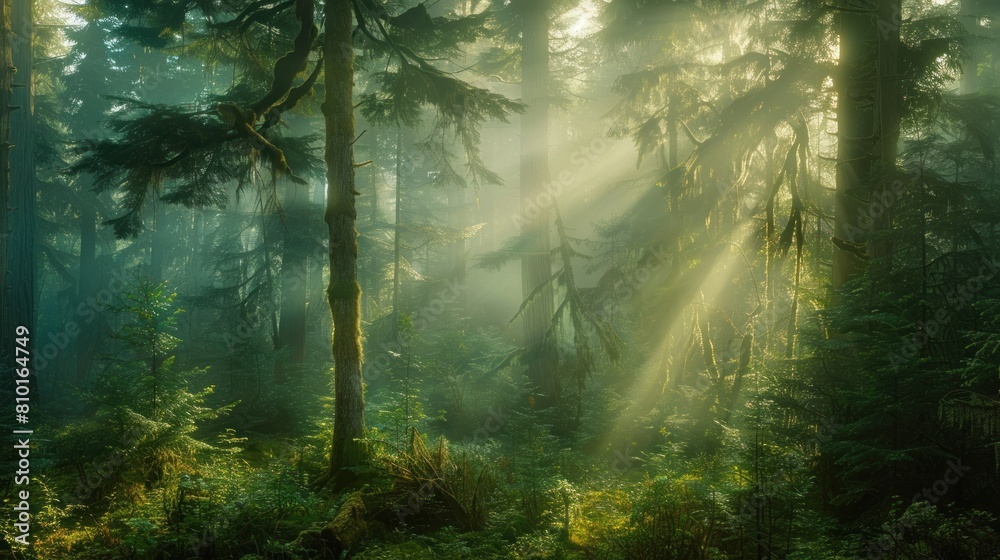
[[86, 288], [457, 260], [396, 248], [6, 318], [292, 318], [887, 113], [969, 16], [21, 247], [373, 284], [344, 292], [86, 122], [158, 243], [856, 94], [536, 266], [868, 136], [674, 186], [317, 292]]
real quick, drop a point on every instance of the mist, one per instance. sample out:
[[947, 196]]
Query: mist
[[565, 279]]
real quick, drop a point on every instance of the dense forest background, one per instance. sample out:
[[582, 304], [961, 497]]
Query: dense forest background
[[565, 279]]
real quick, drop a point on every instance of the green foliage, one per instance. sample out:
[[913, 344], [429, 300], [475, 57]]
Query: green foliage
[[199, 158], [922, 530], [675, 516], [445, 543], [738, 407], [431, 483], [141, 413], [222, 509]]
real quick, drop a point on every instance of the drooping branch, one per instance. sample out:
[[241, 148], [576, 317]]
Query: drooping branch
[[241, 122]]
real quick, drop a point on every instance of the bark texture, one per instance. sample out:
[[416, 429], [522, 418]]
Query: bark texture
[[6, 81], [21, 248], [344, 292], [867, 137], [536, 266]]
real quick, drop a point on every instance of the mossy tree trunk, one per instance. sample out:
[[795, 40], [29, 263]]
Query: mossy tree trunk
[[344, 291]]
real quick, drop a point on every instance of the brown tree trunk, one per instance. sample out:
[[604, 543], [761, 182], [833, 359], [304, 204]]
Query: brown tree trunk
[[344, 291], [536, 266]]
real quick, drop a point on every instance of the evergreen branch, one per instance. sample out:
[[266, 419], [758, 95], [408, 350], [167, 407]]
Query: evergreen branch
[[534, 293]]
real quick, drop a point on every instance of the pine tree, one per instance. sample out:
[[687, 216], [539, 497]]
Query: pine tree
[[201, 151], [536, 264], [90, 54]]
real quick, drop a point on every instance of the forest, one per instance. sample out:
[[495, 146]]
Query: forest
[[500, 279]]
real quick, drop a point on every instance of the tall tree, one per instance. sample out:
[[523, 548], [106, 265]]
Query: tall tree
[[203, 151], [397, 237], [21, 245], [536, 264], [343, 290], [970, 14], [89, 77], [317, 301], [867, 132], [6, 93], [294, 260]]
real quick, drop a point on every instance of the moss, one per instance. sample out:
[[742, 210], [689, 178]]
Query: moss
[[341, 534], [348, 527], [293, 62], [344, 289]]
